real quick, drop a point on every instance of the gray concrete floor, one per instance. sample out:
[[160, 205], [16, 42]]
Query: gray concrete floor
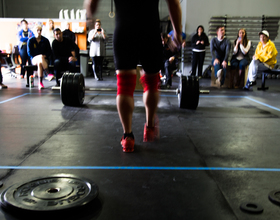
[[204, 166]]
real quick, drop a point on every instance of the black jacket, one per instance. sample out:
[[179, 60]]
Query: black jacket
[[202, 37]]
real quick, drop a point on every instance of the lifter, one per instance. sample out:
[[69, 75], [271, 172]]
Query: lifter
[[137, 40]]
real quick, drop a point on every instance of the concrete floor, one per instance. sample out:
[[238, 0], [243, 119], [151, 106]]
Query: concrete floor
[[205, 165]]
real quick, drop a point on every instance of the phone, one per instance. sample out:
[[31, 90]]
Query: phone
[[99, 29]]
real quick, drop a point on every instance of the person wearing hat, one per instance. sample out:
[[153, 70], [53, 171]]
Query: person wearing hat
[[264, 59]]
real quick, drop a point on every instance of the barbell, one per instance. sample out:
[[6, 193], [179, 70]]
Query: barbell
[[72, 90]]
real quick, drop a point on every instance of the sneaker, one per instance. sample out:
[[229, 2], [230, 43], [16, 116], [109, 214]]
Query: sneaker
[[127, 144], [50, 77], [220, 74], [252, 83], [41, 86], [151, 134], [3, 86]]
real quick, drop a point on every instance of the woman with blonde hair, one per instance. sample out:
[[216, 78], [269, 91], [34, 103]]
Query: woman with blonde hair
[[39, 50], [240, 58]]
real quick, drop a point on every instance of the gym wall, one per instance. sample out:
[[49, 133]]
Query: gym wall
[[195, 12]]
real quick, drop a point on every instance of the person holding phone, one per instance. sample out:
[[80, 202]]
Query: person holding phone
[[240, 56], [97, 39]]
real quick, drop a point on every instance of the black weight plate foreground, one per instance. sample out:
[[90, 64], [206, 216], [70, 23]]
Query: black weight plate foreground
[[251, 207], [64, 89], [62, 193], [1, 184], [78, 90], [274, 196], [72, 90], [188, 95]]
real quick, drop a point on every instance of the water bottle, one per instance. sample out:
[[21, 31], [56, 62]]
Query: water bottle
[[31, 81]]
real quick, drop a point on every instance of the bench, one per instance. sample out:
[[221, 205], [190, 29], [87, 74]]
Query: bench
[[228, 79], [31, 68], [264, 73]]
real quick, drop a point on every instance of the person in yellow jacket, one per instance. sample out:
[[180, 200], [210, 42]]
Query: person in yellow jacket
[[264, 59]]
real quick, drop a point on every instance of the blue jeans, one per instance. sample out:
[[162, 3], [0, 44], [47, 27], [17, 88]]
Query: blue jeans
[[239, 63], [61, 65], [217, 67], [24, 57]]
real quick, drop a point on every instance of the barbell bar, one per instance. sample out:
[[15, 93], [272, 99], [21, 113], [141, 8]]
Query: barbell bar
[[72, 90]]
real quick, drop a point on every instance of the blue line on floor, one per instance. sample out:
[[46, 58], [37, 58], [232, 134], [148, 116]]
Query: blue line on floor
[[136, 168], [269, 106], [14, 98]]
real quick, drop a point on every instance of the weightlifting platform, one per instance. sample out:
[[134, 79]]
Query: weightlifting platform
[[220, 161]]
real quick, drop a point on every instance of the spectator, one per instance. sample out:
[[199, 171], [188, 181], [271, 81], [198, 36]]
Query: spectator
[[133, 19], [220, 49], [263, 60], [48, 33], [240, 58], [23, 35], [64, 54], [2, 86], [169, 59], [39, 50], [68, 33], [199, 42], [97, 39], [184, 36]]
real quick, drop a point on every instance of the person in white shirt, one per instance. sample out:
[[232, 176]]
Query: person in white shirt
[[240, 56], [97, 39]]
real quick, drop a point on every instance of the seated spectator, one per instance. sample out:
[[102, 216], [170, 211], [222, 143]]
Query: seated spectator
[[169, 59], [2, 86], [220, 49], [48, 33], [240, 58], [199, 42], [184, 36], [23, 35], [39, 50], [263, 60], [64, 54]]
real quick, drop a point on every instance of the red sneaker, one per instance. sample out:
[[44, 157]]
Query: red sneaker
[[41, 86], [151, 134], [127, 144]]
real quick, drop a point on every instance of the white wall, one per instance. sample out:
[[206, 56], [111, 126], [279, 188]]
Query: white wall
[[199, 12]]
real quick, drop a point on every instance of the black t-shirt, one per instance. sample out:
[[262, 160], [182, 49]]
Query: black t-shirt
[[63, 49]]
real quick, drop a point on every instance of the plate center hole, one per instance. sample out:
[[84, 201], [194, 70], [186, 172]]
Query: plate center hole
[[252, 206], [53, 190]]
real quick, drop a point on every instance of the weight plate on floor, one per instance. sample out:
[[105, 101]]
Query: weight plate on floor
[[64, 89], [274, 196], [78, 90], [251, 207], [49, 195], [188, 96]]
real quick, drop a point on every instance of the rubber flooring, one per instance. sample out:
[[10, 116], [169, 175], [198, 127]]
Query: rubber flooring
[[206, 164]]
